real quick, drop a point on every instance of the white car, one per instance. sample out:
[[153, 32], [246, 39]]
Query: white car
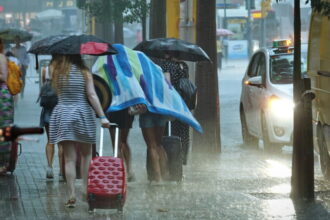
[[266, 104]]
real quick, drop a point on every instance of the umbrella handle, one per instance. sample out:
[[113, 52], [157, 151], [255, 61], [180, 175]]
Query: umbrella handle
[[37, 62]]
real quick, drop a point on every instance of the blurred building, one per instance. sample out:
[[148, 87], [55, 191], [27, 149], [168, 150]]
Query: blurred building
[[42, 16]]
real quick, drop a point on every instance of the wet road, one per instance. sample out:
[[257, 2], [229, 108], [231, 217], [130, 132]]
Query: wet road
[[240, 183]]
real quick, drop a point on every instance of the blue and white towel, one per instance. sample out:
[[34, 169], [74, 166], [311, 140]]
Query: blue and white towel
[[133, 78]]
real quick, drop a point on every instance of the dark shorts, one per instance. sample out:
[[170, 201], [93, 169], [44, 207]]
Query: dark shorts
[[150, 120], [121, 118]]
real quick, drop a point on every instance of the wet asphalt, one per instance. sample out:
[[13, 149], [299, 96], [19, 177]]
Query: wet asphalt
[[240, 183]]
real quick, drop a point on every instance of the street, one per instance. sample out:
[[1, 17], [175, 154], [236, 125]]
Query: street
[[239, 183]]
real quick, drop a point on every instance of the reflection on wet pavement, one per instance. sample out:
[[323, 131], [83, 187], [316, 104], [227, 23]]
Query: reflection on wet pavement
[[277, 169]]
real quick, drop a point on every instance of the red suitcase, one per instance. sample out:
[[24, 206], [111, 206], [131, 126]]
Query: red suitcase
[[106, 180]]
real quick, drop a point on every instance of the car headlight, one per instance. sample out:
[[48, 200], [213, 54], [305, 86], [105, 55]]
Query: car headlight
[[281, 107]]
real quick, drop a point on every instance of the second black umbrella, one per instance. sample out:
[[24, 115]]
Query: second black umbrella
[[180, 49]]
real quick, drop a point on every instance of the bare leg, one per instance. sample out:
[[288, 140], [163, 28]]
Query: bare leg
[[150, 139], [163, 161], [50, 154], [70, 157], [60, 158], [86, 157], [23, 69], [125, 151], [49, 149]]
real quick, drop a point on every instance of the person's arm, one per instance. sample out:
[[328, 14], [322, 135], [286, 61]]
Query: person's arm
[[3, 68], [185, 69], [43, 75], [94, 100], [167, 76], [26, 58]]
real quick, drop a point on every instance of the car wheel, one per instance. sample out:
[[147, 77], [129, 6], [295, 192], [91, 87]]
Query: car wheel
[[248, 139], [268, 146], [324, 153]]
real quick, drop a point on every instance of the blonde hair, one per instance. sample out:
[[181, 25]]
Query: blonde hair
[[61, 65]]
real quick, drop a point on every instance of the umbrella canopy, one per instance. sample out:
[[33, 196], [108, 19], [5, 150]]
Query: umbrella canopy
[[72, 44], [174, 47], [41, 46], [49, 14], [224, 32], [9, 35]]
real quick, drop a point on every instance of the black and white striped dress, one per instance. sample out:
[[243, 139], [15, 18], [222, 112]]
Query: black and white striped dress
[[73, 119]]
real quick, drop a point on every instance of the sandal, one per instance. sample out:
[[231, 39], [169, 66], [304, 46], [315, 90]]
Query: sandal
[[71, 203]]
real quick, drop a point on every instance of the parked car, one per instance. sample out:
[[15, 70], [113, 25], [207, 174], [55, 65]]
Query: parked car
[[266, 104], [319, 73]]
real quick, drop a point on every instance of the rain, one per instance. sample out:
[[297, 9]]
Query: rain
[[240, 161]]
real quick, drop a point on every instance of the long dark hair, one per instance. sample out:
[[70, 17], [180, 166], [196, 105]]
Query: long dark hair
[[1, 46]]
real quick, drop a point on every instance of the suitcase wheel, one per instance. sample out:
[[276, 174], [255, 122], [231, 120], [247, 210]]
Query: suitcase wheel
[[90, 200], [120, 203]]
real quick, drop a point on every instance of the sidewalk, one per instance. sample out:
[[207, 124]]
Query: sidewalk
[[237, 184]]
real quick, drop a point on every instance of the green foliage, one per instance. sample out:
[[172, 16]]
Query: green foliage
[[319, 6], [81, 4], [136, 11], [130, 10]]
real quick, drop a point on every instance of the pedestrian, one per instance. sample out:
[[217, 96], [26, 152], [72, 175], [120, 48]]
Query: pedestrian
[[153, 127], [46, 112], [12, 58], [6, 109], [219, 53], [72, 123], [124, 121], [176, 69], [21, 54]]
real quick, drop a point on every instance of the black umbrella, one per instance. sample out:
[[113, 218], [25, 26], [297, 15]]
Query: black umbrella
[[174, 47], [72, 44], [9, 35], [41, 46]]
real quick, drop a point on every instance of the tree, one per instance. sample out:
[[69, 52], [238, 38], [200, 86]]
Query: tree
[[207, 112], [116, 12], [138, 12], [302, 180], [158, 19], [322, 7]]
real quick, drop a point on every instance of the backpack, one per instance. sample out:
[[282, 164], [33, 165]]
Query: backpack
[[47, 97], [14, 81], [188, 92]]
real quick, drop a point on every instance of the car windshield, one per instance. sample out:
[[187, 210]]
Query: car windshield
[[281, 66]]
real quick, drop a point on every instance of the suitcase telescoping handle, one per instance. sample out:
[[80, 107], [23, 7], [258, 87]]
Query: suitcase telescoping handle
[[169, 128], [116, 139]]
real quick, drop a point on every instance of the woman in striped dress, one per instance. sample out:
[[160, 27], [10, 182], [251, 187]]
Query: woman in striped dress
[[6, 110], [72, 122]]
